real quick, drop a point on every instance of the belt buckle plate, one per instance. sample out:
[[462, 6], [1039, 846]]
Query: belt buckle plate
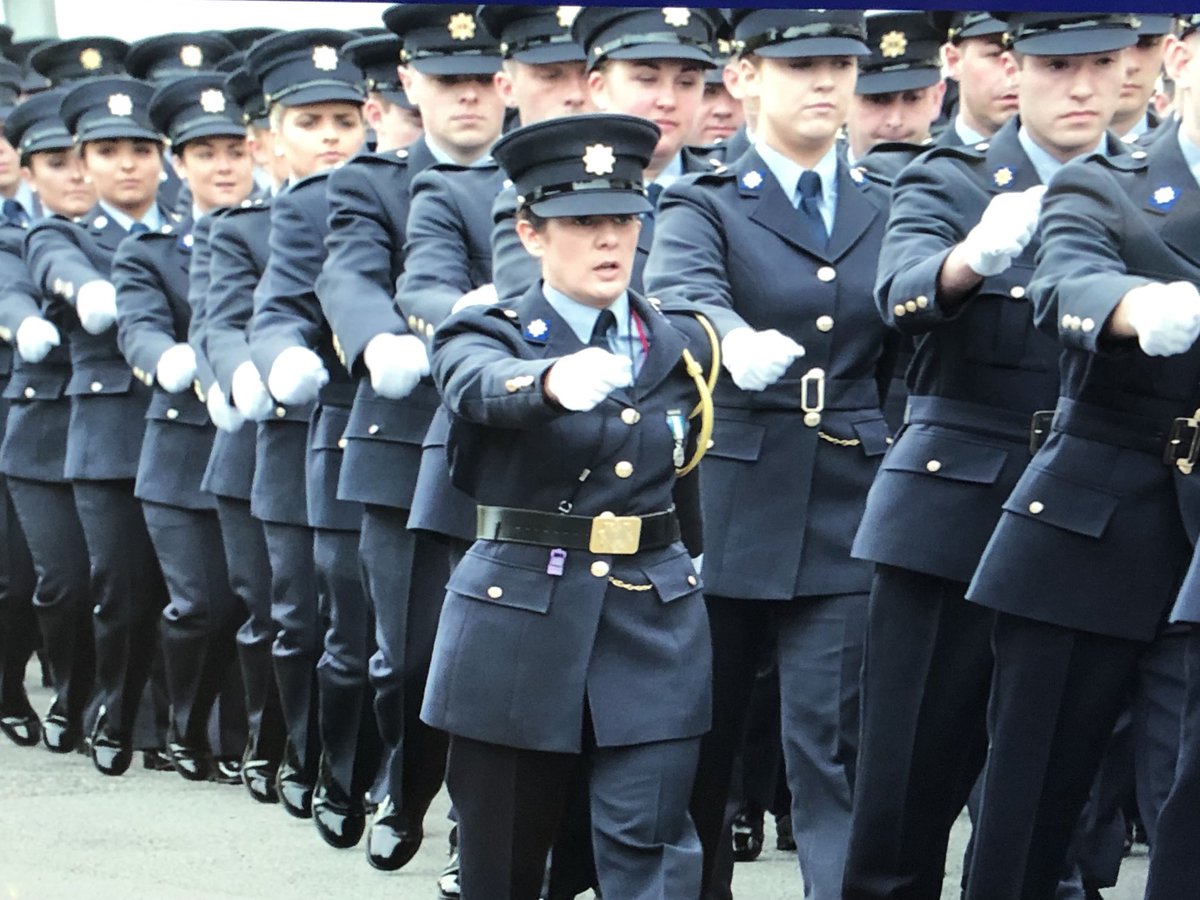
[[1184, 432], [812, 407], [616, 535]]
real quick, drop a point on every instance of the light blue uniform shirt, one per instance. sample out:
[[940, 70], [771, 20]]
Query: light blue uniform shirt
[[787, 172], [624, 339], [1046, 165], [152, 219]]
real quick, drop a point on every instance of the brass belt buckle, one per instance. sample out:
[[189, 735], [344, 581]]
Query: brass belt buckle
[[1179, 434], [812, 411], [616, 535]]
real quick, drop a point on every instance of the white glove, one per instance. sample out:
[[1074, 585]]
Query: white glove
[[484, 295], [96, 304], [297, 376], [582, 380], [250, 395], [222, 414], [1004, 230], [176, 368], [758, 359], [396, 363], [35, 337], [1166, 317]]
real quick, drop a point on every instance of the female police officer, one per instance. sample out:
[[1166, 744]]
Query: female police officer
[[575, 623]]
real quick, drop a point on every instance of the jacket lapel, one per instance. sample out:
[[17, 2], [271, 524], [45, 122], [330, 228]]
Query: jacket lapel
[[854, 215], [1008, 168], [666, 347], [771, 207], [1174, 195]]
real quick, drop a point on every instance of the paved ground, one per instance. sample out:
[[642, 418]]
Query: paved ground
[[68, 832]]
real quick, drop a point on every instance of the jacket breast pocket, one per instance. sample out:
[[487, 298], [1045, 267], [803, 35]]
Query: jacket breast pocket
[[502, 583], [674, 578], [733, 439], [1070, 505], [945, 457], [100, 381]]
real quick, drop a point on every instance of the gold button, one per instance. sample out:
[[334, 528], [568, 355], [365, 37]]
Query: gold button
[[911, 305], [1066, 321], [1016, 292], [630, 416], [825, 323], [1088, 325], [30, 393], [899, 309], [600, 568], [692, 580], [96, 386], [922, 302], [342, 442], [374, 429], [429, 329], [934, 465], [826, 273], [1076, 323], [172, 414], [280, 411], [412, 322], [495, 592], [1036, 507], [812, 419], [623, 469]]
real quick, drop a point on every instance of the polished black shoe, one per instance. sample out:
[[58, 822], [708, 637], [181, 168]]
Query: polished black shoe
[[339, 827], [109, 755], [783, 834], [157, 761], [227, 771], [747, 836], [23, 730], [393, 839], [193, 763], [448, 888], [58, 734], [258, 776], [295, 795]]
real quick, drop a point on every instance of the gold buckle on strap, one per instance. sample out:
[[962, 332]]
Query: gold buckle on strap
[[616, 535], [1180, 429], [812, 411]]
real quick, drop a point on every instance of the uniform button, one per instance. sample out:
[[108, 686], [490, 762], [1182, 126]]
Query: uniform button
[[691, 579], [172, 414], [96, 387], [374, 429], [1066, 321], [899, 309], [812, 419], [1076, 323], [911, 305], [600, 568], [495, 592], [826, 273], [30, 393], [630, 416], [825, 323], [1036, 507], [1016, 292], [623, 469], [100, 222], [280, 411], [342, 442], [1088, 324], [922, 302], [934, 465]]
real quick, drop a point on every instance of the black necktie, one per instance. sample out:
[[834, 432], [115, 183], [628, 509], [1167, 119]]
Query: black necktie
[[810, 205], [14, 212], [653, 192], [138, 228], [604, 322]]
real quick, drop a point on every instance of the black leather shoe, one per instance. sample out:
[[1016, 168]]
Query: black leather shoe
[[157, 761], [783, 834], [393, 839], [747, 837], [59, 735], [227, 771], [109, 756], [447, 882], [295, 795], [193, 763], [340, 821], [23, 730]]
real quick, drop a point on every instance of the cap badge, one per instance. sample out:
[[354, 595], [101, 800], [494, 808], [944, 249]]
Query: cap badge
[[724, 47], [1003, 176], [120, 105], [677, 16], [599, 159], [856, 175], [1164, 198], [91, 59], [537, 330], [752, 180], [566, 15], [212, 101], [325, 58], [893, 44], [461, 26], [191, 56]]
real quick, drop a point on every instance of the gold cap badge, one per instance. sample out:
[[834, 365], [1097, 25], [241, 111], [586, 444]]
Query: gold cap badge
[[325, 58], [893, 44], [566, 15], [599, 159], [120, 105], [1003, 176], [677, 16], [212, 101], [191, 56], [91, 59], [461, 26]]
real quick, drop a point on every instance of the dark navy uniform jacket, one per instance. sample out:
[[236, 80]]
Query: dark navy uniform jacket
[[368, 208], [287, 314], [448, 252], [980, 369], [519, 649], [108, 401], [782, 498], [1091, 537], [150, 272], [35, 434], [236, 249]]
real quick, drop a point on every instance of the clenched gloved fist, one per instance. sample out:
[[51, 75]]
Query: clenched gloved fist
[[396, 363], [176, 368], [96, 305], [1166, 317], [581, 381], [758, 359], [222, 414], [250, 395], [35, 338], [297, 376], [484, 295], [1004, 230]]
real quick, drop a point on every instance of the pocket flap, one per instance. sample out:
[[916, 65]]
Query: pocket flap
[[674, 578], [398, 421], [942, 456], [873, 434], [182, 408], [328, 428], [737, 440], [1070, 505], [37, 384], [100, 380], [503, 583]]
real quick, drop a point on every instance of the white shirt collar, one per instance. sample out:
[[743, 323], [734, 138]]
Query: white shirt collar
[[152, 219], [581, 318], [965, 132]]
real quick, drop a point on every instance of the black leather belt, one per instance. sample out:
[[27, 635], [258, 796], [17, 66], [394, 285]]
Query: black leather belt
[[605, 533]]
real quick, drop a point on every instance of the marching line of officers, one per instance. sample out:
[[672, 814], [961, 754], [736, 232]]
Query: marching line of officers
[[662, 397]]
